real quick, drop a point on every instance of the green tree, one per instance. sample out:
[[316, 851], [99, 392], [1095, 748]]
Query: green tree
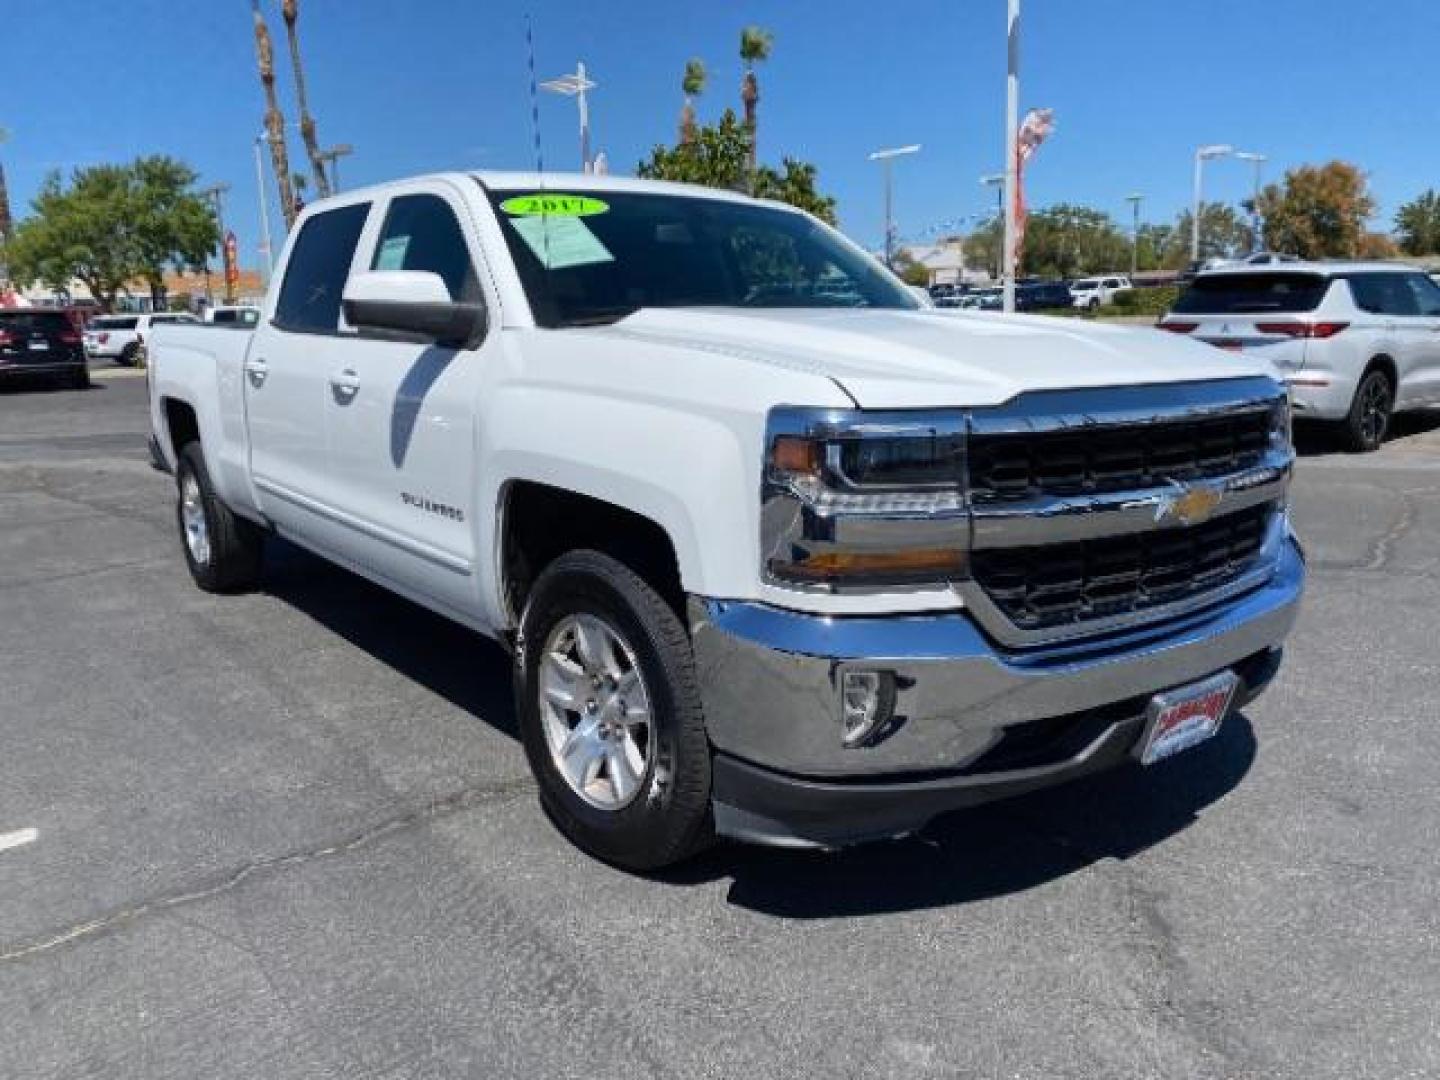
[[755, 46], [692, 84], [1224, 234], [1319, 212], [718, 157], [173, 226], [113, 225], [910, 269], [1418, 224], [1065, 240]]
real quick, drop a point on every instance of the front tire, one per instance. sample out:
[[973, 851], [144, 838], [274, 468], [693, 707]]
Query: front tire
[[223, 551], [610, 714], [1370, 412]]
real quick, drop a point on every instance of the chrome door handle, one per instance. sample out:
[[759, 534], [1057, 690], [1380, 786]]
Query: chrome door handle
[[345, 383], [257, 369]]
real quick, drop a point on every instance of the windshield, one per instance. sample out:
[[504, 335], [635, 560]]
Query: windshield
[[588, 258], [1235, 294], [1086, 283]]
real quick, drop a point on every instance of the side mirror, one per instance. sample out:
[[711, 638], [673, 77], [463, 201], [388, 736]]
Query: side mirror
[[412, 302]]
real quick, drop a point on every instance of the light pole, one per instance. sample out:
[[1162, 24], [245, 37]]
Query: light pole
[[576, 85], [333, 156], [1012, 162], [888, 157], [267, 263], [1134, 199], [1258, 160], [1202, 155], [997, 181]]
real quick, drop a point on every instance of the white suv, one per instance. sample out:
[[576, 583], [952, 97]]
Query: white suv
[[1093, 292], [121, 337], [1355, 341]]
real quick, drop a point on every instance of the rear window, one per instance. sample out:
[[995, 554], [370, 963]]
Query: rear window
[[1236, 294], [34, 322], [113, 324]]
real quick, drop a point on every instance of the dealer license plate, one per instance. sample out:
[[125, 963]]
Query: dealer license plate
[[1178, 719]]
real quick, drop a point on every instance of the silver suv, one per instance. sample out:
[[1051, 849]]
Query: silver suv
[[1356, 342]]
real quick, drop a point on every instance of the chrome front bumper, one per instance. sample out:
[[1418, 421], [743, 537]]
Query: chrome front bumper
[[770, 684]]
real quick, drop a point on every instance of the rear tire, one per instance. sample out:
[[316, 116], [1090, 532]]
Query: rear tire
[[1370, 412], [224, 552], [633, 792], [79, 379], [129, 355]]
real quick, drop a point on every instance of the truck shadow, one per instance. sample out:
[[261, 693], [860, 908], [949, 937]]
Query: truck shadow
[[991, 850], [966, 856]]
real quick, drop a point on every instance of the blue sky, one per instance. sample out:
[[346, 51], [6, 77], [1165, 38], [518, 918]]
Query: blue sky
[[421, 85]]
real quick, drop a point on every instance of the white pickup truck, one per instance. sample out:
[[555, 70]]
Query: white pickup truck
[[779, 555]]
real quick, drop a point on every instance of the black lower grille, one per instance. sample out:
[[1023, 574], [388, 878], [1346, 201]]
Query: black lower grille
[[1025, 465], [1059, 584]]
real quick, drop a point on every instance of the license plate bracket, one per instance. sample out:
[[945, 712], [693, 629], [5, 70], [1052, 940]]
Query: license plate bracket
[[1181, 718]]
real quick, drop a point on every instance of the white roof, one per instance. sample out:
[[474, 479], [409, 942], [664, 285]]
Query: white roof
[[554, 181], [1312, 267]]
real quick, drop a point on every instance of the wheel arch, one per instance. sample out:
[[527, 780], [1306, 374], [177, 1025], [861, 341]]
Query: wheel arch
[[537, 522]]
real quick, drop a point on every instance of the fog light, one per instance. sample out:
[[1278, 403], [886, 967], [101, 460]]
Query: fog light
[[867, 701]]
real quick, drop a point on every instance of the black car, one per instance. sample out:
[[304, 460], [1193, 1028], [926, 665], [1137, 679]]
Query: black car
[[43, 344], [1039, 296]]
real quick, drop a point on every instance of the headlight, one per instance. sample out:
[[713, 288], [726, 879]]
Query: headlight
[[864, 500]]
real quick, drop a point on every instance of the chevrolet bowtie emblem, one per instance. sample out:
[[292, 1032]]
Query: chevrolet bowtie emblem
[[1188, 505]]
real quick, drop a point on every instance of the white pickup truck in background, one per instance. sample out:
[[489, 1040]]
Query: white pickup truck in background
[[779, 555]]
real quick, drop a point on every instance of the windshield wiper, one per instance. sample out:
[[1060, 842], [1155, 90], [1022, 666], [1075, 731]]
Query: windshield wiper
[[601, 316]]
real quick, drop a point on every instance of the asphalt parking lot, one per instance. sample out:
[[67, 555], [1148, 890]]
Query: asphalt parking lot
[[292, 835]]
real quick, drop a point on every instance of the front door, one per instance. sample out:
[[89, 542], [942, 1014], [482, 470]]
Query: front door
[[285, 378], [401, 414]]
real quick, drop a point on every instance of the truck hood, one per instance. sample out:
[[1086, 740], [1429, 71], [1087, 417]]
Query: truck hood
[[920, 359]]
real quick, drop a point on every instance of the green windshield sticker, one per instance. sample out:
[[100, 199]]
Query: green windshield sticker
[[553, 204], [559, 242]]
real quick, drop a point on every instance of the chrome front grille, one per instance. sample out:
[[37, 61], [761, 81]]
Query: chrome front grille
[[1057, 585], [1093, 511], [1017, 465]]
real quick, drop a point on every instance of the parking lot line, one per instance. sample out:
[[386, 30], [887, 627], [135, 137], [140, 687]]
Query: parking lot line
[[19, 838]]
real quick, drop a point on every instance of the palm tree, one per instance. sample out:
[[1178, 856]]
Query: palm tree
[[291, 10], [755, 44], [274, 121], [693, 84]]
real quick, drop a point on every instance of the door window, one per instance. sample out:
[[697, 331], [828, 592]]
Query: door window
[[315, 275], [1427, 295], [1383, 294], [422, 233]]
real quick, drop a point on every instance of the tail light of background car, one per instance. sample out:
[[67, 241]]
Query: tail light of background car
[[1317, 330], [6, 338], [68, 337]]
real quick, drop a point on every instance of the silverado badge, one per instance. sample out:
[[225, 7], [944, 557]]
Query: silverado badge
[[1188, 505]]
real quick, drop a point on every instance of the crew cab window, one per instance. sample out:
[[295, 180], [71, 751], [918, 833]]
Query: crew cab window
[[315, 275], [1383, 294], [422, 233]]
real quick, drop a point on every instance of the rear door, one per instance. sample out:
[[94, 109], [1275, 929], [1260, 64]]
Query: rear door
[[1425, 378], [401, 414], [286, 378], [1393, 313]]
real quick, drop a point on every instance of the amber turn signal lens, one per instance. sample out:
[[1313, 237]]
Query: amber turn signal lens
[[795, 455], [932, 563]]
